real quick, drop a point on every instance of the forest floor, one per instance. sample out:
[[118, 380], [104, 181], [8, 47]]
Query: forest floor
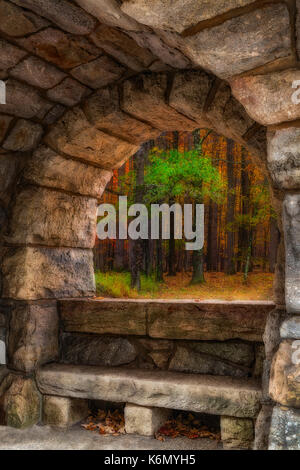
[[217, 286]]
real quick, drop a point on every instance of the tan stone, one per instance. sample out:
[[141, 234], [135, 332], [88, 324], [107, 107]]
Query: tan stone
[[73, 135], [39, 273], [103, 317], [17, 22], [268, 98], [63, 412], [178, 15], [33, 335], [144, 420], [103, 110], [46, 217], [147, 92], [24, 136], [19, 402], [47, 168], [37, 72], [99, 72], [285, 375], [237, 433], [69, 92]]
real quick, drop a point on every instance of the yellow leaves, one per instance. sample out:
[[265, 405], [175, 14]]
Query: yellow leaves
[[106, 423]]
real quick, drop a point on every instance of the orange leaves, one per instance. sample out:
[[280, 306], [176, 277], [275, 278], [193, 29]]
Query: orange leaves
[[106, 423], [185, 425]]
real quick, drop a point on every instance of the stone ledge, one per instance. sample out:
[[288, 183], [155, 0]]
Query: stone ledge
[[198, 393]]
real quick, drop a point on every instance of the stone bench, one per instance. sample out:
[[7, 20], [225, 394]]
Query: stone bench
[[225, 396]]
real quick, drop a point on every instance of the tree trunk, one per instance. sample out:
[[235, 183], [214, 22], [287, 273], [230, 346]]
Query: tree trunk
[[274, 243], [230, 264], [243, 236]]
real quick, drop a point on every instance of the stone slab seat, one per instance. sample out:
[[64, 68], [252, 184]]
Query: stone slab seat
[[199, 393]]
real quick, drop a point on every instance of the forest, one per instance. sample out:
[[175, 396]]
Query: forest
[[241, 235]]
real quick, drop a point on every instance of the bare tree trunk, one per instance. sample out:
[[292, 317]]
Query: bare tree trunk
[[230, 264], [274, 243]]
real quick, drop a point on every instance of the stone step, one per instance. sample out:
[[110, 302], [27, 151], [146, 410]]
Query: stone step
[[193, 392]]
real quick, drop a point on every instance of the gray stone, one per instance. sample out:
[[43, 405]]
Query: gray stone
[[236, 352], [262, 428], [99, 72], [9, 55], [69, 92], [97, 351], [178, 15], [33, 335], [64, 50], [4, 125], [104, 317], [24, 136], [291, 220], [268, 98], [237, 433], [47, 168], [203, 394], [63, 412], [262, 36], [39, 273], [148, 92], [103, 110], [109, 12], [260, 356], [271, 335], [18, 22], [38, 73], [285, 429], [122, 47], [144, 420], [54, 114], [290, 329], [72, 221], [75, 136], [284, 157], [24, 101], [187, 360], [63, 13]]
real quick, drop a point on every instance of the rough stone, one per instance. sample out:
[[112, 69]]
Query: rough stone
[[262, 36], [38, 73], [24, 101], [208, 321], [54, 114], [33, 336], [298, 25], [38, 273], [19, 402], [65, 14], [204, 394], [178, 15], [268, 98], [99, 72], [237, 433], [72, 221], [2, 320], [109, 12], [47, 168], [260, 356], [284, 157], [9, 165], [285, 429], [160, 358], [103, 111], [64, 50], [290, 329], [285, 375], [144, 420], [103, 317], [63, 412], [18, 22], [262, 428], [122, 47], [24, 136], [4, 125], [9, 55], [187, 360], [271, 335], [236, 352], [74, 135], [97, 351], [148, 92], [69, 92], [291, 221]]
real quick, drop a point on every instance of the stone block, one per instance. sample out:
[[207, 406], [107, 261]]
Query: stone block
[[290, 328], [9, 55], [262, 36], [37, 73], [47, 168], [285, 429], [284, 157], [38, 273], [18, 22], [63, 412], [54, 114], [9, 167], [262, 428], [237, 433], [103, 317], [24, 136], [260, 356], [4, 125], [69, 92], [99, 72], [144, 420], [72, 221], [33, 335]]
